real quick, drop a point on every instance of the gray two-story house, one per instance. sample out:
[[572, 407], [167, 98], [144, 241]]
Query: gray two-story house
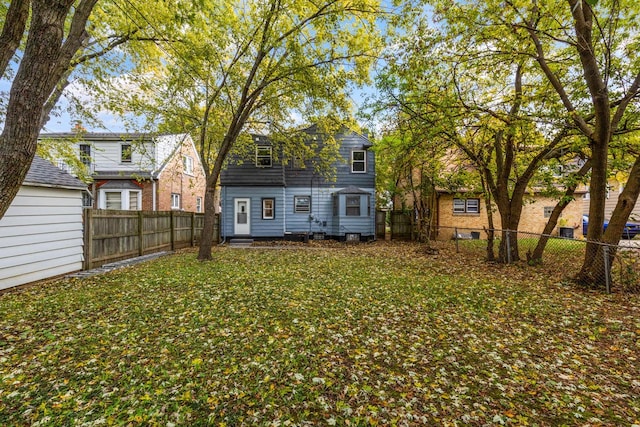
[[271, 197]]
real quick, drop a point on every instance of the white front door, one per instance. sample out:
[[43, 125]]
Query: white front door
[[241, 217]]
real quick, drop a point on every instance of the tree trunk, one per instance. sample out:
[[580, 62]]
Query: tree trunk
[[510, 217], [47, 54], [12, 31], [536, 256], [206, 238]]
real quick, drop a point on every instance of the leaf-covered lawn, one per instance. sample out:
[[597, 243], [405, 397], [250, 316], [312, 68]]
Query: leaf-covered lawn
[[359, 335]]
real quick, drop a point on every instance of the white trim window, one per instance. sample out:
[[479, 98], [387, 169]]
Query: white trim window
[[358, 161], [471, 206], [130, 200], [175, 201], [263, 156], [268, 208], [187, 163], [301, 204], [113, 200], [125, 153], [548, 210], [198, 204]]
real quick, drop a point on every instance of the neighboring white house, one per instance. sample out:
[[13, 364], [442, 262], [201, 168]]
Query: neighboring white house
[[41, 232], [135, 171]]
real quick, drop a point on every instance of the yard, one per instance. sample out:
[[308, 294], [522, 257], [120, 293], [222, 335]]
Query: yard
[[378, 334]]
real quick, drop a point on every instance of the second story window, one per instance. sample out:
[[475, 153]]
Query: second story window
[[125, 153], [263, 156], [85, 154], [187, 163], [358, 161], [175, 201]]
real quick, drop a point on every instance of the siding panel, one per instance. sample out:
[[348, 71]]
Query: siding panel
[[259, 227], [35, 244]]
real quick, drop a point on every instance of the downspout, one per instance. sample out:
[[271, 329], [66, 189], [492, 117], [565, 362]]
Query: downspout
[[284, 212], [153, 195]]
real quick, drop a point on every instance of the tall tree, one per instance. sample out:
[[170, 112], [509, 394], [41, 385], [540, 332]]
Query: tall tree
[[580, 55], [242, 66], [42, 43], [56, 32], [488, 107], [597, 41]]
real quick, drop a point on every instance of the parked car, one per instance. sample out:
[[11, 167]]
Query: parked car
[[631, 229]]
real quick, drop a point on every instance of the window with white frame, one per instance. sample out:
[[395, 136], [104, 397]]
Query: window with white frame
[[113, 199], [302, 204], [268, 208], [125, 153], [263, 156], [198, 204], [175, 201], [466, 205], [121, 199], [358, 161], [134, 202], [548, 210], [187, 163], [87, 200], [353, 205]]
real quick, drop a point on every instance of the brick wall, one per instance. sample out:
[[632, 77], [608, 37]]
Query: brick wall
[[174, 179], [532, 219]]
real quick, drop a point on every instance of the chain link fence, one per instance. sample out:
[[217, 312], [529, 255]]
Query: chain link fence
[[613, 268]]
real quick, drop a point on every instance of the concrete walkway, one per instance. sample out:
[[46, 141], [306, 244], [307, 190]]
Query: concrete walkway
[[119, 264]]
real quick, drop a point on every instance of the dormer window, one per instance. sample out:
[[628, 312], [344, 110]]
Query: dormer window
[[358, 161], [125, 153], [263, 156]]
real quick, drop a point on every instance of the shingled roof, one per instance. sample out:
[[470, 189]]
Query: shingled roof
[[43, 173]]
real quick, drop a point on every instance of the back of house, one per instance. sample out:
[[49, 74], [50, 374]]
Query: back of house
[[266, 195]]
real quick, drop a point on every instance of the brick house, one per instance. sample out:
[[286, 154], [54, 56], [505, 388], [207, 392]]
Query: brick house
[[469, 212], [445, 210], [132, 171]]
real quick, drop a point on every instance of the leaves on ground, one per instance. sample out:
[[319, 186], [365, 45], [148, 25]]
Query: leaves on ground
[[377, 334]]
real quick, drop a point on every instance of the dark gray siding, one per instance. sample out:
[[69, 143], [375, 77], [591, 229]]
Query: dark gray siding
[[349, 141], [250, 175], [243, 171]]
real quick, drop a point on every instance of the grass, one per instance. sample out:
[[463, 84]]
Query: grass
[[359, 335]]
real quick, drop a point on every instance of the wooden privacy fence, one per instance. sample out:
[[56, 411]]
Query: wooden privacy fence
[[401, 226], [381, 224], [112, 235]]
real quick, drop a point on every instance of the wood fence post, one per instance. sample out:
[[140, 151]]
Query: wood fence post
[[172, 226], [193, 229], [140, 233], [88, 241]]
